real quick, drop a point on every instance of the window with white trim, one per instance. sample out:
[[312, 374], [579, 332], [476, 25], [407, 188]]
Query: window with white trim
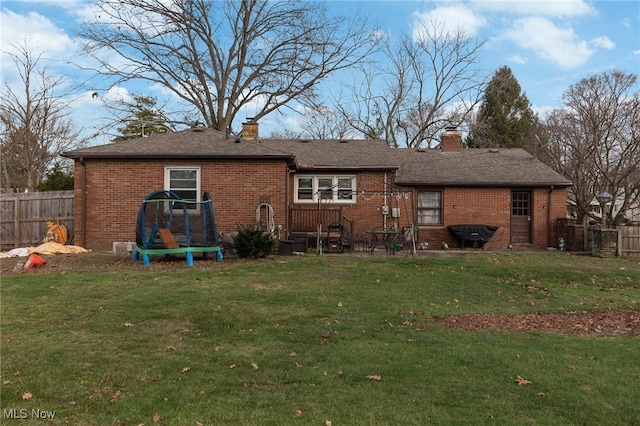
[[185, 182], [336, 189], [429, 207]]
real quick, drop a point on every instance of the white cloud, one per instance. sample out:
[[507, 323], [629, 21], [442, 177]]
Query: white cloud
[[554, 8], [38, 32], [636, 52], [603, 42], [453, 18], [560, 46], [118, 94], [517, 59]]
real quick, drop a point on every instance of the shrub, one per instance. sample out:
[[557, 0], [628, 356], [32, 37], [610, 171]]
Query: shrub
[[252, 242]]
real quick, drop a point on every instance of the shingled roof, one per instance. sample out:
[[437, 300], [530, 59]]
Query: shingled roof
[[361, 154], [474, 167], [467, 167], [198, 142]]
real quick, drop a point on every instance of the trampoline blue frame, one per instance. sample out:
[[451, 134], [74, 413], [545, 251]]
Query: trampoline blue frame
[[143, 242]]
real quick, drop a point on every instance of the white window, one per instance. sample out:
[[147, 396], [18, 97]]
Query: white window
[[185, 182], [430, 208], [337, 189]]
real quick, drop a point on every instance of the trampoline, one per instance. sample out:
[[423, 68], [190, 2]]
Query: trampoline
[[168, 225]]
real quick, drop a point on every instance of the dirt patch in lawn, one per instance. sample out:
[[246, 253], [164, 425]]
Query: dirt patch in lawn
[[614, 322], [100, 262]]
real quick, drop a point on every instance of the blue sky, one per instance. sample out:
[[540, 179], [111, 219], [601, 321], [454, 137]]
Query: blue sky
[[548, 45]]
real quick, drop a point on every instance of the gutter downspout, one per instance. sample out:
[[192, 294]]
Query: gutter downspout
[[83, 234], [287, 176], [549, 218], [384, 215]]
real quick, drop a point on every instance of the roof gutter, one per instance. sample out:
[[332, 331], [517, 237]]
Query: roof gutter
[[303, 166], [486, 184], [177, 156]]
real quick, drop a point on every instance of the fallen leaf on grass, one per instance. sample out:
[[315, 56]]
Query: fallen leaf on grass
[[157, 417], [292, 354], [339, 304], [327, 423], [185, 369], [374, 377], [27, 396], [233, 366], [128, 324], [115, 396], [522, 381], [254, 365], [297, 413]]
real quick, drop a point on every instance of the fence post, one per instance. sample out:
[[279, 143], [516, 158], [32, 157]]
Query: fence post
[[16, 221]]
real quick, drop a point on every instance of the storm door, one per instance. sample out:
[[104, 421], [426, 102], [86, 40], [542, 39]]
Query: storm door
[[521, 217]]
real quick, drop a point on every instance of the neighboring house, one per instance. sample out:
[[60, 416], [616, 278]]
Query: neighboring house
[[309, 185], [631, 215]]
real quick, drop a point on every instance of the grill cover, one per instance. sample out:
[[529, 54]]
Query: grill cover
[[472, 232]]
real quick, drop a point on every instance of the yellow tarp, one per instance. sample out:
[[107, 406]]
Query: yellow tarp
[[56, 248]]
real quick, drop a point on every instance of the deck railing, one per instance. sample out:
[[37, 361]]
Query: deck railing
[[307, 220]]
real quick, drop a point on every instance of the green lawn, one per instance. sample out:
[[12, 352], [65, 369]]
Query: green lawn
[[315, 341]]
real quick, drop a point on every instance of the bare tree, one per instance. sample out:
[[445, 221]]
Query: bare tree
[[594, 141], [318, 123], [423, 85], [34, 123], [220, 56], [324, 123]]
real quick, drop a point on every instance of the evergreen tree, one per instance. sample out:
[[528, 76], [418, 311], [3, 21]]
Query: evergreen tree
[[57, 179], [144, 120], [505, 118]]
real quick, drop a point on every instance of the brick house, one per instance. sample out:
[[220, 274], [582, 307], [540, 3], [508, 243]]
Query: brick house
[[360, 185]]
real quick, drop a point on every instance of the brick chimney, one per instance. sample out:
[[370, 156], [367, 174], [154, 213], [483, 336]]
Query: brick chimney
[[451, 140], [250, 129]]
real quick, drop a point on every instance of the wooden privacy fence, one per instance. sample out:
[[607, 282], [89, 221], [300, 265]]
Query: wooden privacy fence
[[24, 217], [629, 241]]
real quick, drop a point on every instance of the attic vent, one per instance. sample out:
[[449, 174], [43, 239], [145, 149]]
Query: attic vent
[[343, 141], [197, 129], [421, 150], [304, 141]]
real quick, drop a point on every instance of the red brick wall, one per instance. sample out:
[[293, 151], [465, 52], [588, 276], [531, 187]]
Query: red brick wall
[[492, 206], [115, 190]]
